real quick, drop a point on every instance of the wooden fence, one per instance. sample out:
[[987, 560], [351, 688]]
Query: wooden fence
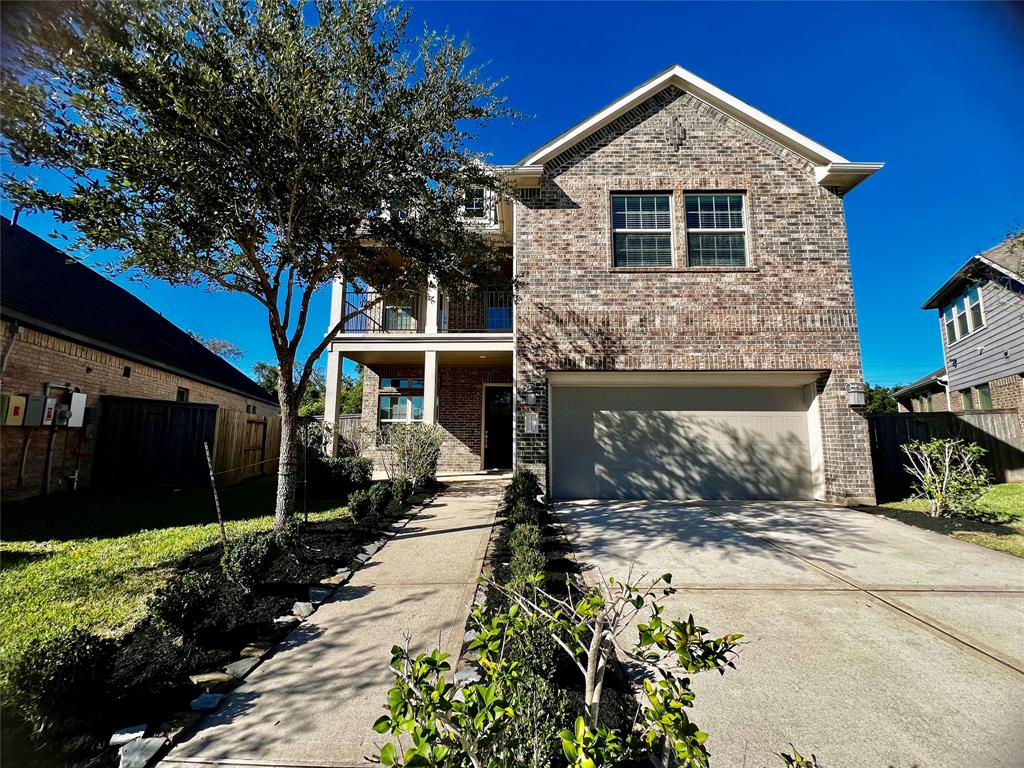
[[998, 432], [245, 446], [348, 425]]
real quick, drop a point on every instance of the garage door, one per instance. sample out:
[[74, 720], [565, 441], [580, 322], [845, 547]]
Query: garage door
[[653, 442]]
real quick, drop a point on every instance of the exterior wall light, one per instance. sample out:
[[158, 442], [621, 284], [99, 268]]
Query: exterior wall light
[[530, 398], [855, 394]]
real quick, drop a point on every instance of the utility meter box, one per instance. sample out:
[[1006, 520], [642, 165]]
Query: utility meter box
[[49, 411], [34, 406], [77, 415], [14, 411]]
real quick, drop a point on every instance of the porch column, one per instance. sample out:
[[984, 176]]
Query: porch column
[[332, 400], [430, 321], [430, 387]]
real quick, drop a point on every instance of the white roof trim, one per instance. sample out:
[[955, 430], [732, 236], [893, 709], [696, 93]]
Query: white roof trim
[[702, 89]]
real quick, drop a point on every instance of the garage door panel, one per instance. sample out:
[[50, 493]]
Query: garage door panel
[[731, 443]]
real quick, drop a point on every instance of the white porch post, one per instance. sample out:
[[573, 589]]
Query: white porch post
[[335, 363], [430, 324], [430, 387]]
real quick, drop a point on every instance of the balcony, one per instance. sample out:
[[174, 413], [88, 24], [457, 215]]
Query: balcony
[[487, 311]]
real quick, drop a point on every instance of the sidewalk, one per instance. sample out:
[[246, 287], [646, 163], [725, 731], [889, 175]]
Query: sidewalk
[[313, 703]]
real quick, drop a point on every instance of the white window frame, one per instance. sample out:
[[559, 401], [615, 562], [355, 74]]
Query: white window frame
[[408, 392], [744, 230], [966, 314], [633, 231]]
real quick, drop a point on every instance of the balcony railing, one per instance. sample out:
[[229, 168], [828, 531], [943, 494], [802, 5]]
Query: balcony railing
[[374, 317], [487, 311]]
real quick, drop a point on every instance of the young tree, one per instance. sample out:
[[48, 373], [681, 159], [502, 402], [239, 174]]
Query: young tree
[[880, 399], [263, 148]]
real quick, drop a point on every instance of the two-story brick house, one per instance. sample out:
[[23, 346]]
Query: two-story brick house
[[684, 325]]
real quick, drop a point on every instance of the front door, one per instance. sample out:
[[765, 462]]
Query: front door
[[497, 427]]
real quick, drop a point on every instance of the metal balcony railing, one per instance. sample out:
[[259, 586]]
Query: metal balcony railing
[[488, 311], [373, 317]]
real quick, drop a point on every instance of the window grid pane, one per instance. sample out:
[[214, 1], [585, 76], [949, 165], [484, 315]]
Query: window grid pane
[[641, 212], [643, 250], [714, 211], [984, 397], [717, 250]]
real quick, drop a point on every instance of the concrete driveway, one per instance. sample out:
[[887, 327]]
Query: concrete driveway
[[868, 642]]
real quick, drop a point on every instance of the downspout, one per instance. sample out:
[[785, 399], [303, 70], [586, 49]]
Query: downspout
[[18, 330]]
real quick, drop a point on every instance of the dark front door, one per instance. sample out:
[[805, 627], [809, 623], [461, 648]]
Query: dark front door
[[497, 427]]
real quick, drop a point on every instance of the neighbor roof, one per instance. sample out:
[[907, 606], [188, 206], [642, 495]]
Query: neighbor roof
[[832, 168], [934, 377], [44, 288], [1007, 257]]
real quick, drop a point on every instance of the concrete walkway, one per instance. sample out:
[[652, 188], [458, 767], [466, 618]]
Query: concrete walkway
[[314, 701], [867, 642]]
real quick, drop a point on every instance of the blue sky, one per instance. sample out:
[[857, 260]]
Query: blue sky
[[932, 90]]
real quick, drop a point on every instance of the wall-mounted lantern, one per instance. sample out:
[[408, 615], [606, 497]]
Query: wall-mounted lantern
[[855, 394], [530, 398]]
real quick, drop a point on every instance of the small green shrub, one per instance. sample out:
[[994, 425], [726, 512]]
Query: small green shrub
[[380, 498], [401, 490], [337, 476], [247, 558], [63, 680], [524, 485], [948, 473], [359, 503], [524, 512], [183, 602], [411, 450], [527, 557]]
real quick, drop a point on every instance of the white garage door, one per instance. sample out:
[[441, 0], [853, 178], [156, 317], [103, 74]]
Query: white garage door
[[680, 442]]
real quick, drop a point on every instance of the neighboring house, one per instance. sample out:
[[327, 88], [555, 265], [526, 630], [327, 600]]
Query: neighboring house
[[685, 324], [981, 319], [926, 395], [74, 338]]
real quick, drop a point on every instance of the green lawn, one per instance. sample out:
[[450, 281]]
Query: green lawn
[[92, 560], [1003, 505]]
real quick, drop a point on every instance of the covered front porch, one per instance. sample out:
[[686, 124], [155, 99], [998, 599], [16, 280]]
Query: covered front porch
[[466, 392]]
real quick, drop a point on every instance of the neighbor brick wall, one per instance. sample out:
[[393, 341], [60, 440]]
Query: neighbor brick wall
[[1007, 392], [791, 308], [460, 400], [38, 358]]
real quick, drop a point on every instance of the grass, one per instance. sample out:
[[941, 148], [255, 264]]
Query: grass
[[1003, 528], [92, 561]]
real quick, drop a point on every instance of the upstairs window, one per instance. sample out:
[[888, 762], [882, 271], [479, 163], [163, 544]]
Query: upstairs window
[[964, 315], [475, 203], [642, 230], [716, 234]]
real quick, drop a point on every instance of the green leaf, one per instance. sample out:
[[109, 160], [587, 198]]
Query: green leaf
[[383, 724], [388, 755]]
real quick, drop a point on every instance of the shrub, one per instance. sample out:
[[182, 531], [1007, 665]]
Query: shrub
[[527, 558], [380, 498], [62, 680], [247, 558], [947, 473], [401, 490], [338, 476], [183, 602], [524, 512], [359, 503], [411, 450], [524, 485]]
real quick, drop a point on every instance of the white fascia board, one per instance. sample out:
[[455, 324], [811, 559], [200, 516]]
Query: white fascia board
[[703, 90], [935, 300], [846, 176]]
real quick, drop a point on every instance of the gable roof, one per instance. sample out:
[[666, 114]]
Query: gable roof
[[44, 288], [935, 377], [832, 169], [1007, 258]]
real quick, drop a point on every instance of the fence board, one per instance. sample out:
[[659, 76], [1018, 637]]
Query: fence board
[[245, 446], [998, 432], [348, 425]]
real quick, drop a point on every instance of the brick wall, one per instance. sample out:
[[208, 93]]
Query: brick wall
[[39, 358], [791, 308], [459, 413], [1007, 392]]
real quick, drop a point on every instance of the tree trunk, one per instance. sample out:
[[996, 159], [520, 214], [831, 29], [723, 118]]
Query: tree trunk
[[288, 464]]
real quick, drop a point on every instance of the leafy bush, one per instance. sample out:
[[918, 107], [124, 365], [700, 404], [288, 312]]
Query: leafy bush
[[411, 450], [247, 558], [527, 558], [183, 602], [524, 485], [63, 680], [359, 503], [948, 473], [525, 512], [338, 476], [380, 498], [401, 490]]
